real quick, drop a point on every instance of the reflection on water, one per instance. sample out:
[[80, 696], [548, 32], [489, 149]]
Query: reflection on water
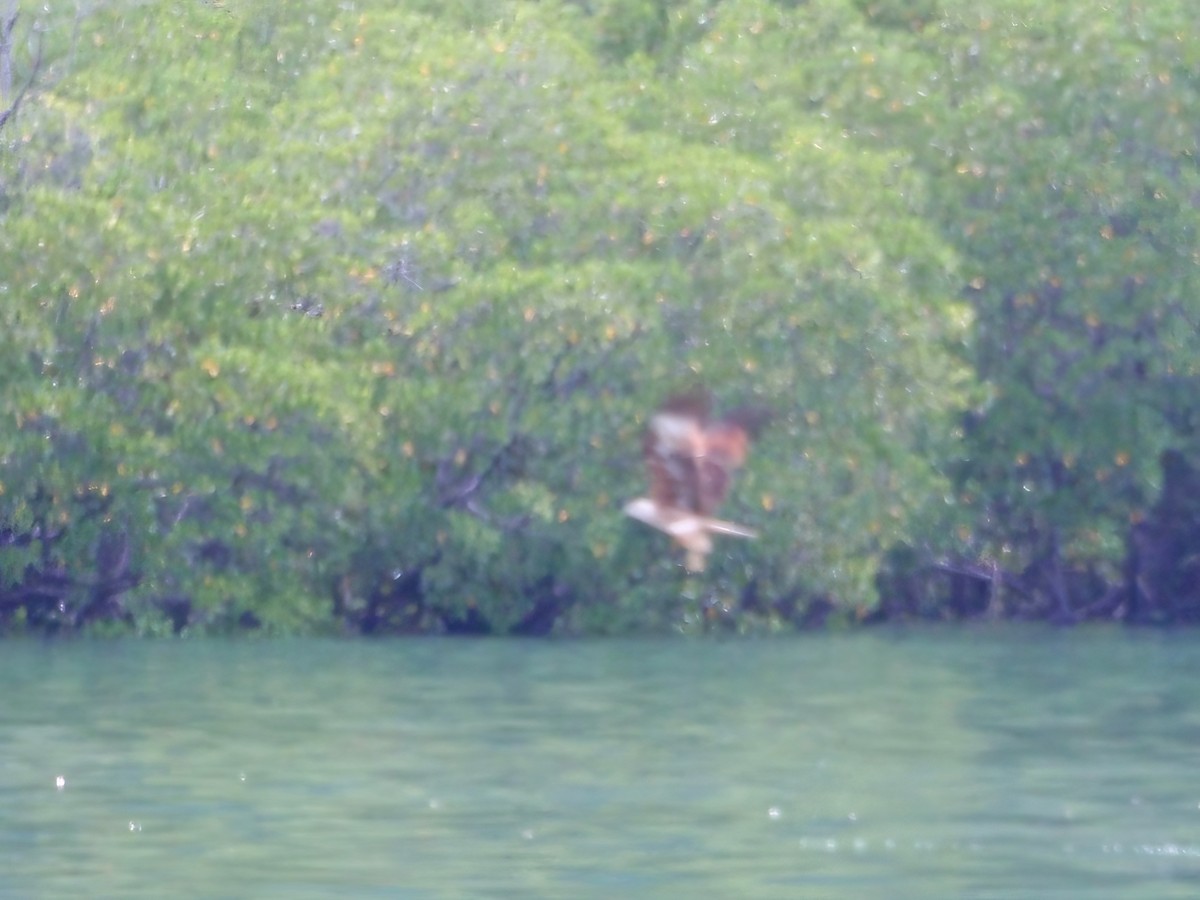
[[959, 763]]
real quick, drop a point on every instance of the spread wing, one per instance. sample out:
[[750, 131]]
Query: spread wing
[[674, 449], [724, 453], [691, 461]]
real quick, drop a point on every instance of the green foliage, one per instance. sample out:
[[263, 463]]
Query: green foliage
[[1077, 232], [353, 318], [1062, 161]]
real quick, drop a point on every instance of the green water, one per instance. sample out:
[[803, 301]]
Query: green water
[[959, 763]]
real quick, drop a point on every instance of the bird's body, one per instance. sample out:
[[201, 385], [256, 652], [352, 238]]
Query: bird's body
[[691, 460]]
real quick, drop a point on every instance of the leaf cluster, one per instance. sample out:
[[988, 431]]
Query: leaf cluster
[[352, 318]]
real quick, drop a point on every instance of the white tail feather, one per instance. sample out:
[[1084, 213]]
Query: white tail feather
[[720, 526], [680, 524]]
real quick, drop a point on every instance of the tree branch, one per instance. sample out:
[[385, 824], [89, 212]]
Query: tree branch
[[7, 26]]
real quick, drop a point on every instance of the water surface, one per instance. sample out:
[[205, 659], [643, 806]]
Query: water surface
[[996, 762]]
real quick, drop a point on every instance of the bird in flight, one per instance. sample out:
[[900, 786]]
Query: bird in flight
[[690, 459]]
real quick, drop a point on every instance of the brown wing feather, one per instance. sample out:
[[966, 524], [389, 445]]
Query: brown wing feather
[[724, 452], [691, 460], [671, 476], [694, 404], [673, 446], [727, 442]]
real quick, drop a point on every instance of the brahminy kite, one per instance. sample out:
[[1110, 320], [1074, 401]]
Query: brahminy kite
[[691, 459]]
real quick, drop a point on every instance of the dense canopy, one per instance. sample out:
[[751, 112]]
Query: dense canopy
[[351, 317]]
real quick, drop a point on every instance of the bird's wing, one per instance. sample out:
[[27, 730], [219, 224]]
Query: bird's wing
[[725, 447], [673, 448], [690, 461]]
